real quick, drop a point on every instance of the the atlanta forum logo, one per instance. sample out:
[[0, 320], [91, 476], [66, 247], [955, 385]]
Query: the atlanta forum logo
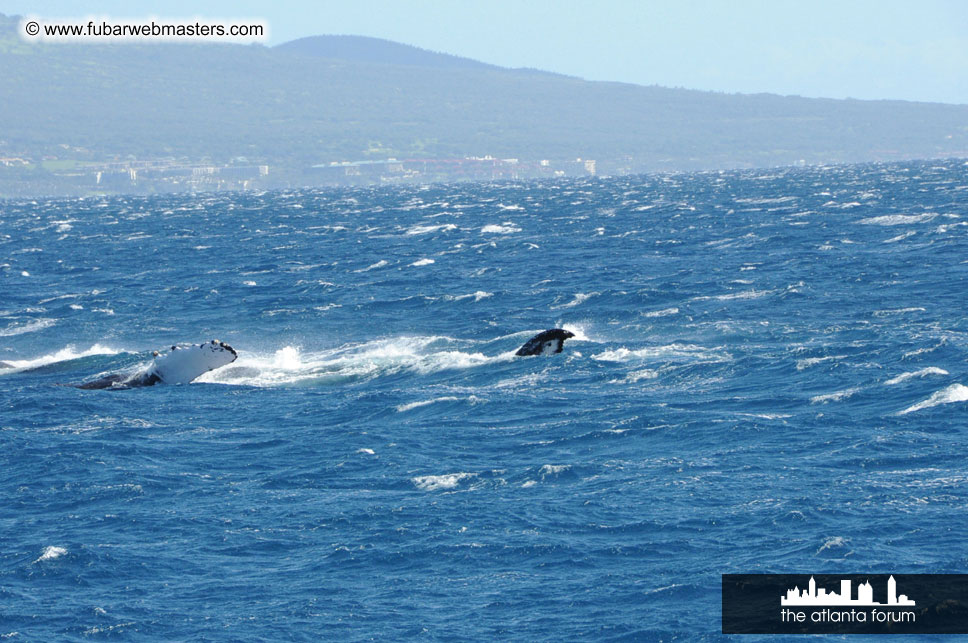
[[867, 603], [813, 597]]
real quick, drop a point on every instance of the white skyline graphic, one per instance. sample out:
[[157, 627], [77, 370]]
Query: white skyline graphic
[[865, 595]]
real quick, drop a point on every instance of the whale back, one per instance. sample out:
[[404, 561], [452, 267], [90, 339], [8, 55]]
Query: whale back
[[546, 342], [182, 364]]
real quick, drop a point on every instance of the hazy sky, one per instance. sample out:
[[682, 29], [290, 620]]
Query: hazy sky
[[911, 49]]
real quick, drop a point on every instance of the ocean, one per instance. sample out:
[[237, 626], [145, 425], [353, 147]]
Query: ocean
[[768, 375]]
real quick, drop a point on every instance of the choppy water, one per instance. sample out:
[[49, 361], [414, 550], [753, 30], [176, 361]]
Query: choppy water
[[769, 376]]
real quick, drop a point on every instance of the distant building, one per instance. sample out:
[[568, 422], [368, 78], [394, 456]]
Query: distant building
[[475, 168], [865, 593]]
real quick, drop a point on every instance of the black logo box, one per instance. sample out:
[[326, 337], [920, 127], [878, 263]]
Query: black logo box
[[751, 604]]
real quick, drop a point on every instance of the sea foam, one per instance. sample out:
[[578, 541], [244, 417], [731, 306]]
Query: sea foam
[[953, 393], [440, 482]]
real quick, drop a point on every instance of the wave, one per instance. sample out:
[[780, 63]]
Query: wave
[[897, 219], [901, 237], [953, 393], [378, 264], [553, 469], [637, 376], [63, 355], [29, 327], [661, 313], [803, 364], [477, 296], [506, 228], [745, 294], [931, 370], [578, 299], [836, 396], [441, 482], [50, 553], [768, 201], [425, 229], [944, 228], [686, 352], [899, 311], [289, 365], [473, 399]]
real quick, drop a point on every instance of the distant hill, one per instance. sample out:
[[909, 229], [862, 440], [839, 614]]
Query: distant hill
[[326, 99], [376, 51]]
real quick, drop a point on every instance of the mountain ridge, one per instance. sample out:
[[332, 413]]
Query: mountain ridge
[[378, 51], [366, 49]]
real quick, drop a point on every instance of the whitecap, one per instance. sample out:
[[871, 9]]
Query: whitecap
[[578, 299], [62, 355], [416, 405], [378, 264], [901, 237], [506, 228], [477, 296], [836, 396], [767, 200], [899, 311], [553, 469], [441, 482], [661, 313], [668, 352], [422, 262], [426, 229], [921, 351], [29, 327], [745, 294], [579, 331], [289, 365], [953, 393], [59, 297], [644, 374], [830, 543], [803, 364], [898, 219], [930, 370], [944, 228], [108, 628], [766, 416], [51, 553]]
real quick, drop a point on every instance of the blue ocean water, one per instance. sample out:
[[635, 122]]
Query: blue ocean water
[[769, 375]]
